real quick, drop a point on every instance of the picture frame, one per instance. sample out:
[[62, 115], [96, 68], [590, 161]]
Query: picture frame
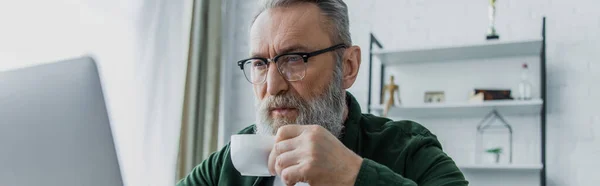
[[434, 97]]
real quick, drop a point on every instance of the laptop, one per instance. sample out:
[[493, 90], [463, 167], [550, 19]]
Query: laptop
[[54, 127]]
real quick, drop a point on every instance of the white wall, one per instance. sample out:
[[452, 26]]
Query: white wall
[[573, 95], [573, 70]]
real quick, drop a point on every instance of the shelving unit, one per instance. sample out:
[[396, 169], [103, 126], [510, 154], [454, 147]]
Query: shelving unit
[[486, 50]]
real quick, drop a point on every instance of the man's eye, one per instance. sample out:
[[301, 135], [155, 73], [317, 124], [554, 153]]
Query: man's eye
[[293, 58], [258, 64]]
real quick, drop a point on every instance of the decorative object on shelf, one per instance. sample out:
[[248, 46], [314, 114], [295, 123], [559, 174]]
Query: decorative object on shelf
[[435, 97], [492, 136], [476, 97], [524, 85], [496, 152], [492, 26], [390, 91], [494, 94]]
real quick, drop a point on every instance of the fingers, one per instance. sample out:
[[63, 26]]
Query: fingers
[[282, 144], [278, 149], [288, 131], [294, 174], [290, 151], [287, 159]]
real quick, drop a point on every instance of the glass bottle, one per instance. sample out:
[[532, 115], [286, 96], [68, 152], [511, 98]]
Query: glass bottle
[[524, 84]]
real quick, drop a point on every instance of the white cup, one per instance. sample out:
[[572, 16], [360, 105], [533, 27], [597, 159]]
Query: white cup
[[250, 153]]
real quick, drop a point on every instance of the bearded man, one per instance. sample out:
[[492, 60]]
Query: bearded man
[[302, 61]]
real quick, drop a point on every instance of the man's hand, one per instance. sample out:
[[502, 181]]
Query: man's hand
[[310, 153]]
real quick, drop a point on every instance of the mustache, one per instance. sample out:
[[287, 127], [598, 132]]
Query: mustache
[[283, 101]]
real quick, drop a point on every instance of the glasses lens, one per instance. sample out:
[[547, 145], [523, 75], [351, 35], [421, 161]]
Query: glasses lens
[[292, 67], [255, 70]]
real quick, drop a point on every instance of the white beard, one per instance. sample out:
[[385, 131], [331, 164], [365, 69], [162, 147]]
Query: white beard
[[326, 109]]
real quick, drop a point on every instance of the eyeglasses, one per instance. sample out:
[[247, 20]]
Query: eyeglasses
[[292, 66]]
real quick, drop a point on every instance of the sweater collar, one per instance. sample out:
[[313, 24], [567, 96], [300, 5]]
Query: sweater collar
[[350, 137]]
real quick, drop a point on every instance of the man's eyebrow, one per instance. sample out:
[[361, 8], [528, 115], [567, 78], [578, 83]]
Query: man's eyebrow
[[256, 55], [284, 50], [293, 48]]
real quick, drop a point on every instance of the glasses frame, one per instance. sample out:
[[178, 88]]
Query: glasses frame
[[304, 55]]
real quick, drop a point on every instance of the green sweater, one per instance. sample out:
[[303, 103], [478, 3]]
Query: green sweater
[[395, 153]]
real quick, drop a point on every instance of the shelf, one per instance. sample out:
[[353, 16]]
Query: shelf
[[505, 107], [507, 167], [502, 175], [491, 49]]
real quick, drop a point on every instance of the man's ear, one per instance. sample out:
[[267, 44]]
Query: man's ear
[[350, 66]]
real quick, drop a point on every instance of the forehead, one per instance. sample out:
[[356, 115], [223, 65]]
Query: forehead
[[279, 28]]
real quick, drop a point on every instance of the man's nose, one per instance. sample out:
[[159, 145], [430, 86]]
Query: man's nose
[[276, 84]]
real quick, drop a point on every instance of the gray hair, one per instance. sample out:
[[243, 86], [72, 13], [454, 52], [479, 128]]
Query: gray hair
[[335, 10], [337, 13]]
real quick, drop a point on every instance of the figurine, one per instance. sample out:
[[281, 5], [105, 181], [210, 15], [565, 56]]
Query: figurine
[[392, 90]]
